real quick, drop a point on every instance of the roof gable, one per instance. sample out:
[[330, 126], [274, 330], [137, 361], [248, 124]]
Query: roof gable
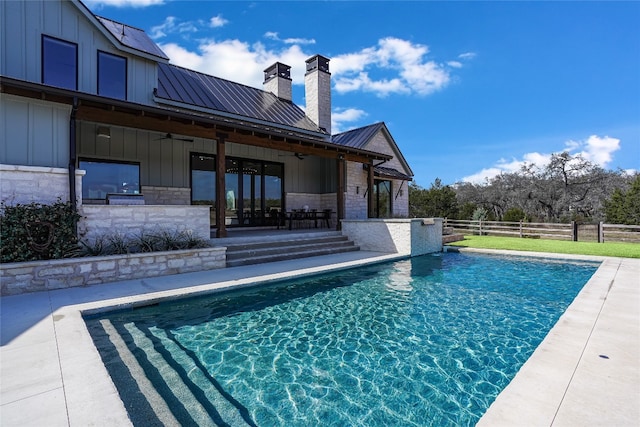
[[125, 38], [195, 89], [361, 137], [357, 138], [132, 37]]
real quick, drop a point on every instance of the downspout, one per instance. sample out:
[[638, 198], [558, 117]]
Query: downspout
[[72, 155]]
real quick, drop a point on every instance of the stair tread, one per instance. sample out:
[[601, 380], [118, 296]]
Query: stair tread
[[288, 249], [287, 256]]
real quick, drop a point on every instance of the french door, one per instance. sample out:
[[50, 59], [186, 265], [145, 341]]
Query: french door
[[253, 189]]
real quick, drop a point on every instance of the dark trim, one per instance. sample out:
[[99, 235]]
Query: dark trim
[[73, 197]]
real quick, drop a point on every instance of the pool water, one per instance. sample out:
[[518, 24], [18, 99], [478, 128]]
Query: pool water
[[426, 341]]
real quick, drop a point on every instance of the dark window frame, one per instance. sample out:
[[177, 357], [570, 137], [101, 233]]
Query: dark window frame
[[108, 161], [43, 67], [126, 65]]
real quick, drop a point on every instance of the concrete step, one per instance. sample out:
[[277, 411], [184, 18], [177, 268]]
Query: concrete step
[[283, 256], [258, 249], [250, 249]]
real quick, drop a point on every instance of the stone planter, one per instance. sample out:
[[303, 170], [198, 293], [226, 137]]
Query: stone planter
[[35, 276]]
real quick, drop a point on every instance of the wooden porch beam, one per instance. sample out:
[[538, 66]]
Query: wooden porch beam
[[370, 199], [221, 228], [340, 192], [167, 124]]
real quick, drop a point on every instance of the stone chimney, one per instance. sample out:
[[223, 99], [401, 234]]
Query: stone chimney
[[317, 86], [277, 80]]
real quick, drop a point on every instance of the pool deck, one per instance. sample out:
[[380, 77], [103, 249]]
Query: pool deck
[[586, 371]]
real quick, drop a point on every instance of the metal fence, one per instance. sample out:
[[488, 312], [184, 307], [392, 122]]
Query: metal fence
[[599, 232]]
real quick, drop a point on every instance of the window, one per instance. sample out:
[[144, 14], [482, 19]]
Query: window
[[112, 75], [59, 63], [105, 177]]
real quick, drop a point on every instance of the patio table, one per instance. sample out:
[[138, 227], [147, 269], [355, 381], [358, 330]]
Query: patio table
[[312, 215]]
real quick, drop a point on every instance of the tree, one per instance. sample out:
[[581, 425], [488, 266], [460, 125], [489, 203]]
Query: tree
[[438, 201], [624, 206]]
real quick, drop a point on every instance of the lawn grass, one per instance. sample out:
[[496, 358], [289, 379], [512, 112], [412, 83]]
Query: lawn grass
[[614, 249]]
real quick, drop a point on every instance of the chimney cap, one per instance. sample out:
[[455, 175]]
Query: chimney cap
[[318, 62], [277, 70]]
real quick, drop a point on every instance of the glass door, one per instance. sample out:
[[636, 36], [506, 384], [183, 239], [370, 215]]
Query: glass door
[[382, 198]]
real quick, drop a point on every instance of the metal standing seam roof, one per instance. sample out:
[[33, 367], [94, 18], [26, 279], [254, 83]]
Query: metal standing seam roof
[[190, 87], [391, 173], [357, 138], [132, 37]]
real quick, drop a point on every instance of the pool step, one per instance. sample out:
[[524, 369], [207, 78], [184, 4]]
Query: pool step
[[147, 353], [288, 247]]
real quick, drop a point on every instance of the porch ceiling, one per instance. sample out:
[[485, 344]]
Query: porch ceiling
[[164, 120]]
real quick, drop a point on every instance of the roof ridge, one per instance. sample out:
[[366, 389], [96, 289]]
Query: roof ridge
[[120, 23]]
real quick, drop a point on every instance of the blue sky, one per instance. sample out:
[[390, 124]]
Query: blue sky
[[467, 89]]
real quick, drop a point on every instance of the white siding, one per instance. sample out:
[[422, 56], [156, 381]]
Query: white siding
[[22, 24]]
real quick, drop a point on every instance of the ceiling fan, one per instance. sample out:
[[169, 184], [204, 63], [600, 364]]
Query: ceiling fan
[[170, 136]]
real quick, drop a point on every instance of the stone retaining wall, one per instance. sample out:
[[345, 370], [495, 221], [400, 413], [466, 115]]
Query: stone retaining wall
[[34, 276], [411, 237]]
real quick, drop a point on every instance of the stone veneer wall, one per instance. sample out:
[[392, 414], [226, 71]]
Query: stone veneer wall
[[400, 201], [355, 197], [166, 195], [411, 237], [35, 276], [26, 184], [130, 220]]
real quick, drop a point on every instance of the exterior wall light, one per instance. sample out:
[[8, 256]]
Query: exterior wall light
[[104, 132]]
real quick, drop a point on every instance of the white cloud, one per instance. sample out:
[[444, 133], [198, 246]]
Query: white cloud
[[172, 25], [467, 55], [393, 66], [98, 4], [272, 35], [341, 116], [454, 64], [217, 21], [597, 150], [237, 60], [402, 62]]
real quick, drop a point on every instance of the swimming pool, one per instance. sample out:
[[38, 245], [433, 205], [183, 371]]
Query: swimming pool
[[426, 341]]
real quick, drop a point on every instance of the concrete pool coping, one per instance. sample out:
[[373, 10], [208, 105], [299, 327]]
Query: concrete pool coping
[[51, 374]]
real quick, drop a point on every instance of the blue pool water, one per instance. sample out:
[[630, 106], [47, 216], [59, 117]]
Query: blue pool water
[[426, 341]]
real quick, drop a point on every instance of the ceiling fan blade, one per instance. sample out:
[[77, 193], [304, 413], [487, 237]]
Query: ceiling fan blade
[[170, 136]]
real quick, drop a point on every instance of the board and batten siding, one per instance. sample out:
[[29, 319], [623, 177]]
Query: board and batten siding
[[165, 162], [33, 132], [21, 52]]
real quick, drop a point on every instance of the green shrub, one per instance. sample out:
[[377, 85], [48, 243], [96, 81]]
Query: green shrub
[[514, 215], [145, 241], [36, 231]]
